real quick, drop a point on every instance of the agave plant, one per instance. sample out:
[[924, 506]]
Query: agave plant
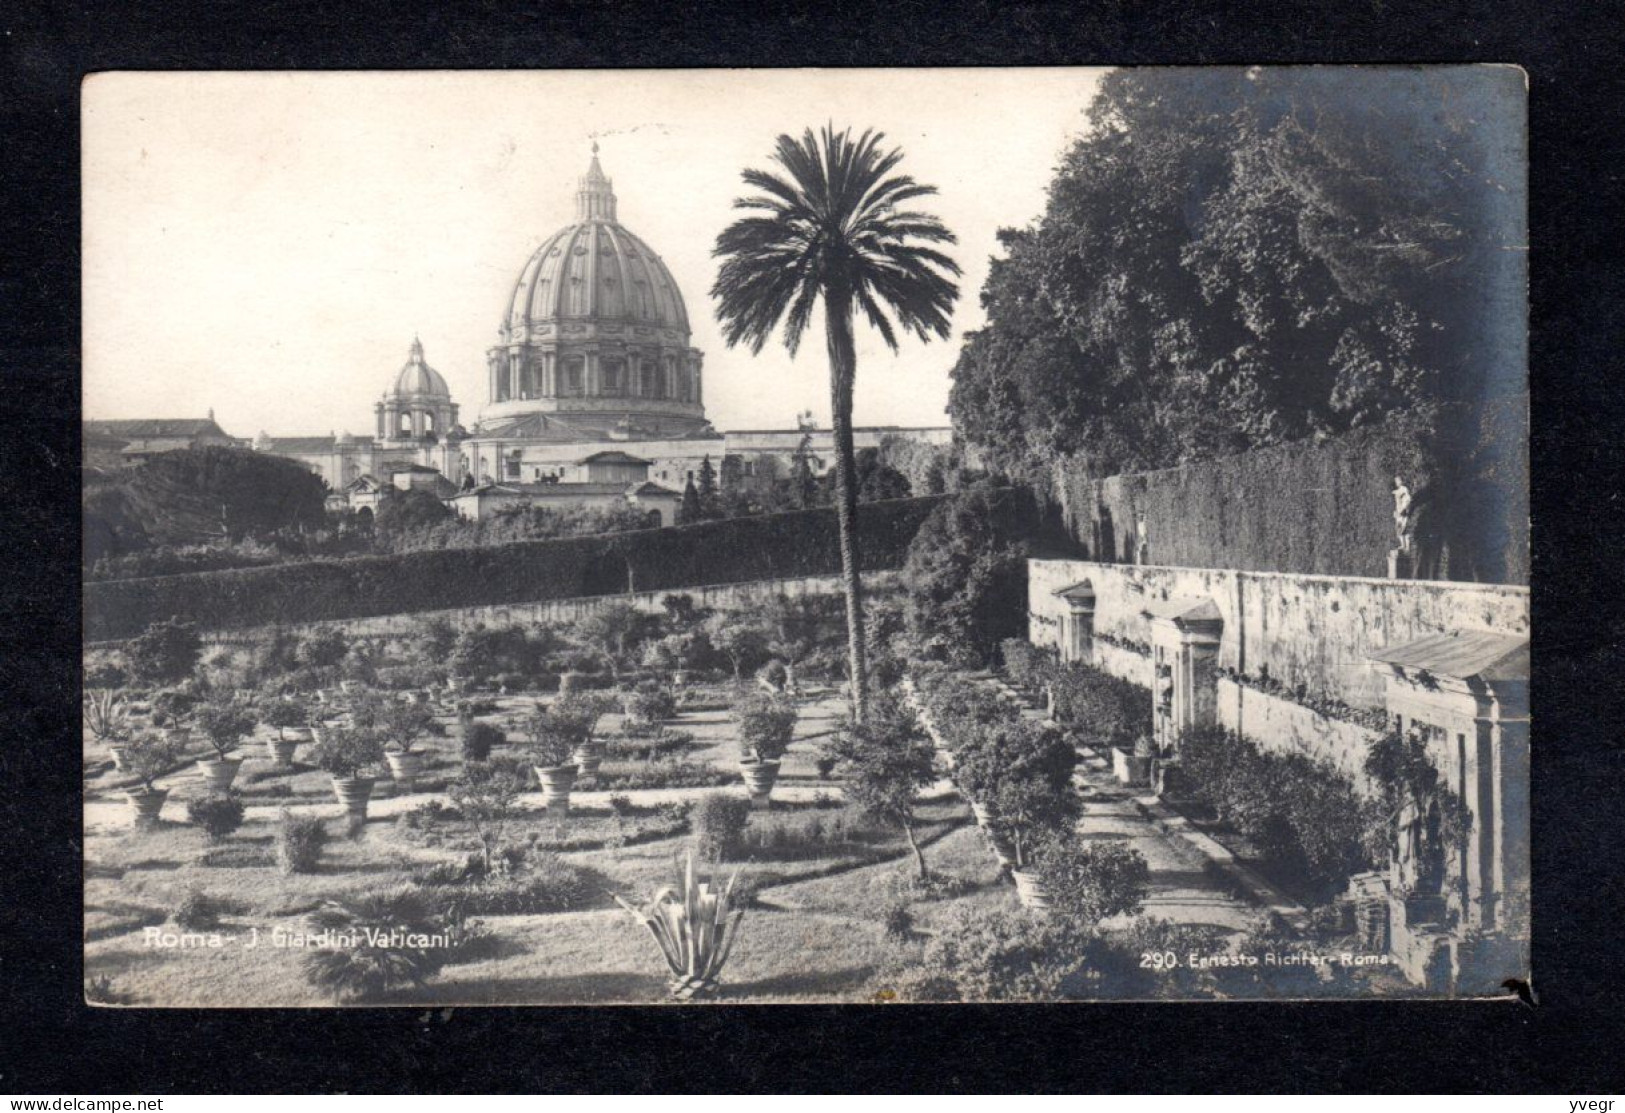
[[106, 715], [695, 927], [382, 931]]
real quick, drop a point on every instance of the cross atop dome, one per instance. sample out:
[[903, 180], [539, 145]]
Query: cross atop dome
[[595, 194]]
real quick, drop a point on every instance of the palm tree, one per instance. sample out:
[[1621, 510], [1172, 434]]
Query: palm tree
[[830, 230]]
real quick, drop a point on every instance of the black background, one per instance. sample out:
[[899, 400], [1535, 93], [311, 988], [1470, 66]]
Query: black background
[[1568, 1043]]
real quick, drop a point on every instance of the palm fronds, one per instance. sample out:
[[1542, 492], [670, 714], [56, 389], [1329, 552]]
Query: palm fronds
[[695, 927]]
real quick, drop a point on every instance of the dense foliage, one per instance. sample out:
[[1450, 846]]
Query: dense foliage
[[1233, 258], [966, 577], [1303, 814]]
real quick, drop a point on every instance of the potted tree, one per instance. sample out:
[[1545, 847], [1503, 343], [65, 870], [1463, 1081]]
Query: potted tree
[[403, 725], [766, 723], [285, 714], [1018, 776], [148, 756], [887, 759], [348, 754], [554, 734], [225, 723]]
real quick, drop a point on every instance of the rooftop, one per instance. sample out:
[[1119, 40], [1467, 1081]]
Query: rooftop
[[1461, 655]]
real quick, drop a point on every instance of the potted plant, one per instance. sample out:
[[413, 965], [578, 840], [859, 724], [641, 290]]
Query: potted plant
[[766, 724], [108, 720], [1020, 775], [148, 756], [554, 734], [403, 725], [285, 714], [348, 754], [225, 723]]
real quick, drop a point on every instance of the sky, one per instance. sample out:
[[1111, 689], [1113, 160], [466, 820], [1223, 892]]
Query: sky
[[267, 245]]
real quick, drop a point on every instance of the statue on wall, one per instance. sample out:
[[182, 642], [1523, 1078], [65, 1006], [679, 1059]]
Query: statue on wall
[[1142, 548], [1404, 525]]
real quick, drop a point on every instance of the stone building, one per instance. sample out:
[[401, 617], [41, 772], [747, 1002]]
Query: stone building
[[136, 441]]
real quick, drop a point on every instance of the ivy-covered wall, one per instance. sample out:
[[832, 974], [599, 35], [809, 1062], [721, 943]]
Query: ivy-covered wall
[[1325, 507]]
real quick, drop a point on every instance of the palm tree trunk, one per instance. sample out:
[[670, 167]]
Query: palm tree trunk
[[843, 365]]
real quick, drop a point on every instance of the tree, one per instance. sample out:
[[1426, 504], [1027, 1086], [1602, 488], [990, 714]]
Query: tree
[[1236, 258], [887, 760], [165, 653], [831, 234], [736, 637], [689, 512], [710, 504], [611, 632], [410, 511], [965, 581], [487, 795]]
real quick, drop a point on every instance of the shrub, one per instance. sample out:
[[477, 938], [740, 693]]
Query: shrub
[[545, 883], [283, 712], [106, 674], [1024, 663], [172, 706], [897, 920], [149, 756], [774, 674], [1305, 816], [479, 739], [378, 961], [650, 702], [981, 955], [1093, 879], [767, 723], [322, 649], [197, 911], [1024, 771], [555, 731], [347, 751], [165, 653], [966, 580], [225, 723], [1105, 709], [719, 821], [666, 772], [299, 842], [641, 747], [887, 760], [219, 815]]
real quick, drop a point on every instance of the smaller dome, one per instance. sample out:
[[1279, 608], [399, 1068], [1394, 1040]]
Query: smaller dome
[[418, 379], [344, 438]]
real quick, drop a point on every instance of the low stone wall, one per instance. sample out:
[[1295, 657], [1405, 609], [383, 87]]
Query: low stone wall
[[1285, 727], [560, 611], [1315, 631]]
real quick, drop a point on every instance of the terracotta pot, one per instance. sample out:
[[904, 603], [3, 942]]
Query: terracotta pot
[[118, 757], [404, 767], [145, 804], [1030, 890], [759, 778], [353, 793], [557, 781], [281, 749], [218, 773], [588, 758]]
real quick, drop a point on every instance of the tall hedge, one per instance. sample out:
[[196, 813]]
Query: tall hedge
[[799, 543]]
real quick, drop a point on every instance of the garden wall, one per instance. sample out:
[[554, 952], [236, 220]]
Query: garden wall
[[560, 611], [1324, 507], [775, 546], [1310, 631], [1279, 725]]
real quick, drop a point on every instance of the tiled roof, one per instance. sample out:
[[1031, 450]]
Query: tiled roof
[[296, 446], [158, 427], [1462, 655], [613, 456]]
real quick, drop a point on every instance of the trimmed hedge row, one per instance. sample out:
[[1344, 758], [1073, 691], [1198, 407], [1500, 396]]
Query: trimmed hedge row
[[798, 543]]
